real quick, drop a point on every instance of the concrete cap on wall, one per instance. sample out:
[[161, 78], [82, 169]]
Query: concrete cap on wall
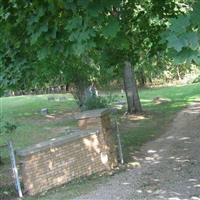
[[54, 142], [93, 113]]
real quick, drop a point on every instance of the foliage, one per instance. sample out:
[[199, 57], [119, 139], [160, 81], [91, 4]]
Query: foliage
[[183, 36], [37, 50], [94, 102], [46, 42]]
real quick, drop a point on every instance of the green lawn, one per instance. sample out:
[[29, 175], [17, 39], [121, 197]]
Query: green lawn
[[32, 127], [158, 116]]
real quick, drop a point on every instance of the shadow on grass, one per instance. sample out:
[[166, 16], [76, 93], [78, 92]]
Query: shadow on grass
[[155, 122]]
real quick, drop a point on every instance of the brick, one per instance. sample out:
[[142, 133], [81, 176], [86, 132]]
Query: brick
[[56, 163]]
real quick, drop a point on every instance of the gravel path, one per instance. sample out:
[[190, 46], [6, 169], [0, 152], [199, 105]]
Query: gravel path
[[170, 166]]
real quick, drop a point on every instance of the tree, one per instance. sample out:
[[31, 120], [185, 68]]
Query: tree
[[35, 44], [131, 89], [62, 37], [183, 36], [132, 30]]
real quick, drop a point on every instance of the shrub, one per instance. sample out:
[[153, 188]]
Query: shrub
[[94, 102]]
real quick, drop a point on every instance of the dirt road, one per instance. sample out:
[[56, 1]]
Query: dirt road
[[169, 168]]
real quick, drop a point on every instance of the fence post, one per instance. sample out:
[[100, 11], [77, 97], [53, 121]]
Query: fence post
[[119, 143], [14, 169]]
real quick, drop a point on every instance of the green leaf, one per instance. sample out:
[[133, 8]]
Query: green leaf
[[74, 23], [35, 35], [179, 25], [54, 32], [73, 36], [195, 15], [187, 56], [78, 49], [35, 18], [197, 59], [83, 3], [61, 3], [175, 42], [94, 9], [42, 53], [111, 29], [121, 42], [112, 3], [181, 57], [192, 40], [44, 27]]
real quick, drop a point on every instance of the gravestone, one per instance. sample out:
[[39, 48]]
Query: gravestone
[[44, 111], [62, 98], [51, 98]]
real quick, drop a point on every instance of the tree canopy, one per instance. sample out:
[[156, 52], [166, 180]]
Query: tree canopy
[[71, 41], [183, 36]]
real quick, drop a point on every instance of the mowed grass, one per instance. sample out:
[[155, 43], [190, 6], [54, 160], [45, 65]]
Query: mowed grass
[[24, 111], [32, 127], [157, 117]]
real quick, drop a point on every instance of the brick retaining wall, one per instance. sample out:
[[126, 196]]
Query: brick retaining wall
[[60, 160]]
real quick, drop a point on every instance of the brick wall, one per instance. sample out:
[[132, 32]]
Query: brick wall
[[60, 160]]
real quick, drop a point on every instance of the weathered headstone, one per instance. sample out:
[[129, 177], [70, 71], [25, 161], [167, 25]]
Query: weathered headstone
[[62, 98], [44, 111], [51, 98]]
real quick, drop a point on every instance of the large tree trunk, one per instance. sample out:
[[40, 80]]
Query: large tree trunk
[[78, 90], [79, 95], [133, 100]]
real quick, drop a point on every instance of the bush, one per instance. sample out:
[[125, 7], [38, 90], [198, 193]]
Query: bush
[[94, 102], [97, 102]]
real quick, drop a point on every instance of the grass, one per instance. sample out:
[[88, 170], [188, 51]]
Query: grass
[[32, 127], [158, 116]]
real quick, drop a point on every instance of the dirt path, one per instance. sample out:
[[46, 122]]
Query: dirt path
[[170, 167]]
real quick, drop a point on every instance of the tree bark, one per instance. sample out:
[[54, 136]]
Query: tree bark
[[133, 100], [78, 90]]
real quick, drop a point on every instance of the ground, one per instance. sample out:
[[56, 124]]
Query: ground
[[167, 168], [135, 130]]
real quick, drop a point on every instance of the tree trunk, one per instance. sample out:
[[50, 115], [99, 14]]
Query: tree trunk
[[133, 100], [78, 90]]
